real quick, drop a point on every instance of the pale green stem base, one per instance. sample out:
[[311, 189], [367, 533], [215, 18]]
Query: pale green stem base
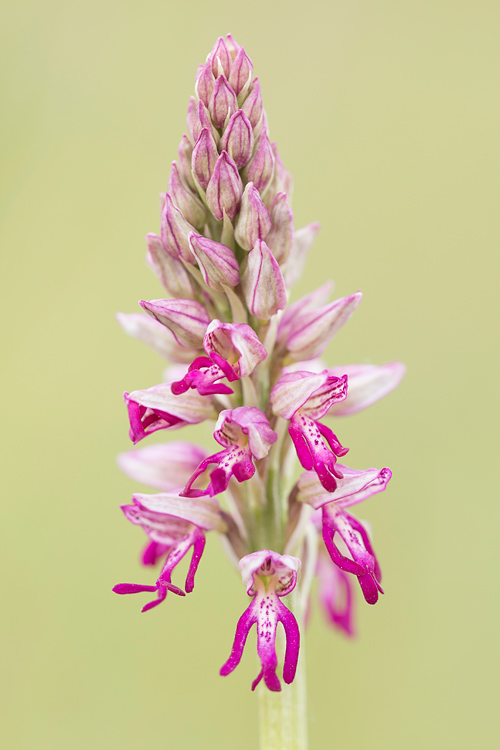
[[283, 715]]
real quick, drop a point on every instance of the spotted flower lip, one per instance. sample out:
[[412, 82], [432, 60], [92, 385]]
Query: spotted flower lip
[[233, 352], [267, 576], [353, 487], [173, 525], [246, 435], [363, 562], [157, 408], [303, 398]]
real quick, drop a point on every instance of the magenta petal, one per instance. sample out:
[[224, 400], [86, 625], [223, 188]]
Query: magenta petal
[[292, 643], [198, 547], [247, 619], [132, 588]]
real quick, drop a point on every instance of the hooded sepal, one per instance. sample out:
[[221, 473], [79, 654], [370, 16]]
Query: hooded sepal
[[238, 139], [260, 168], [223, 102], [186, 318], [217, 262], [157, 408], [252, 106], [175, 231], [246, 435], [225, 188], [267, 576], [241, 73], [205, 156], [280, 238], [254, 221], [312, 393], [157, 336], [186, 201], [262, 282], [170, 271]]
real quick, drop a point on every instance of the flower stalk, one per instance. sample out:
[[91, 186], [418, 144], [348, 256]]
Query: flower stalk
[[244, 359]]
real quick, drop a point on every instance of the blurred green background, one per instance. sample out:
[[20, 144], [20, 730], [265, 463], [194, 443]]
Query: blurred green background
[[387, 114]]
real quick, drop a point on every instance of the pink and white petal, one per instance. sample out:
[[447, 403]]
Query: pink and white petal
[[367, 384], [293, 390], [204, 513], [165, 466], [355, 486], [156, 335], [189, 407]]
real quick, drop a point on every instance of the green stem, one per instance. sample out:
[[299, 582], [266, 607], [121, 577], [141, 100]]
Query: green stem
[[283, 715]]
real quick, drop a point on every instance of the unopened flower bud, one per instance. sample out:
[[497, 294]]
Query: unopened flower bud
[[175, 231], [186, 318], [170, 271], [241, 72], [225, 188], [280, 237], [253, 221], [205, 83], [260, 168], [186, 201], [222, 102], [238, 139], [220, 58], [217, 262], [263, 284], [232, 46], [282, 181], [185, 152], [191, 115], [205, 155], [252, 106], [202, 120]]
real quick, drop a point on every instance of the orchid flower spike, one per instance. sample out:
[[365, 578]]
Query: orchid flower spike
[[246, 362]]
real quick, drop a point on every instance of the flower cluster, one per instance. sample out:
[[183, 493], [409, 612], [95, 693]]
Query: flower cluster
[[227, 255]]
